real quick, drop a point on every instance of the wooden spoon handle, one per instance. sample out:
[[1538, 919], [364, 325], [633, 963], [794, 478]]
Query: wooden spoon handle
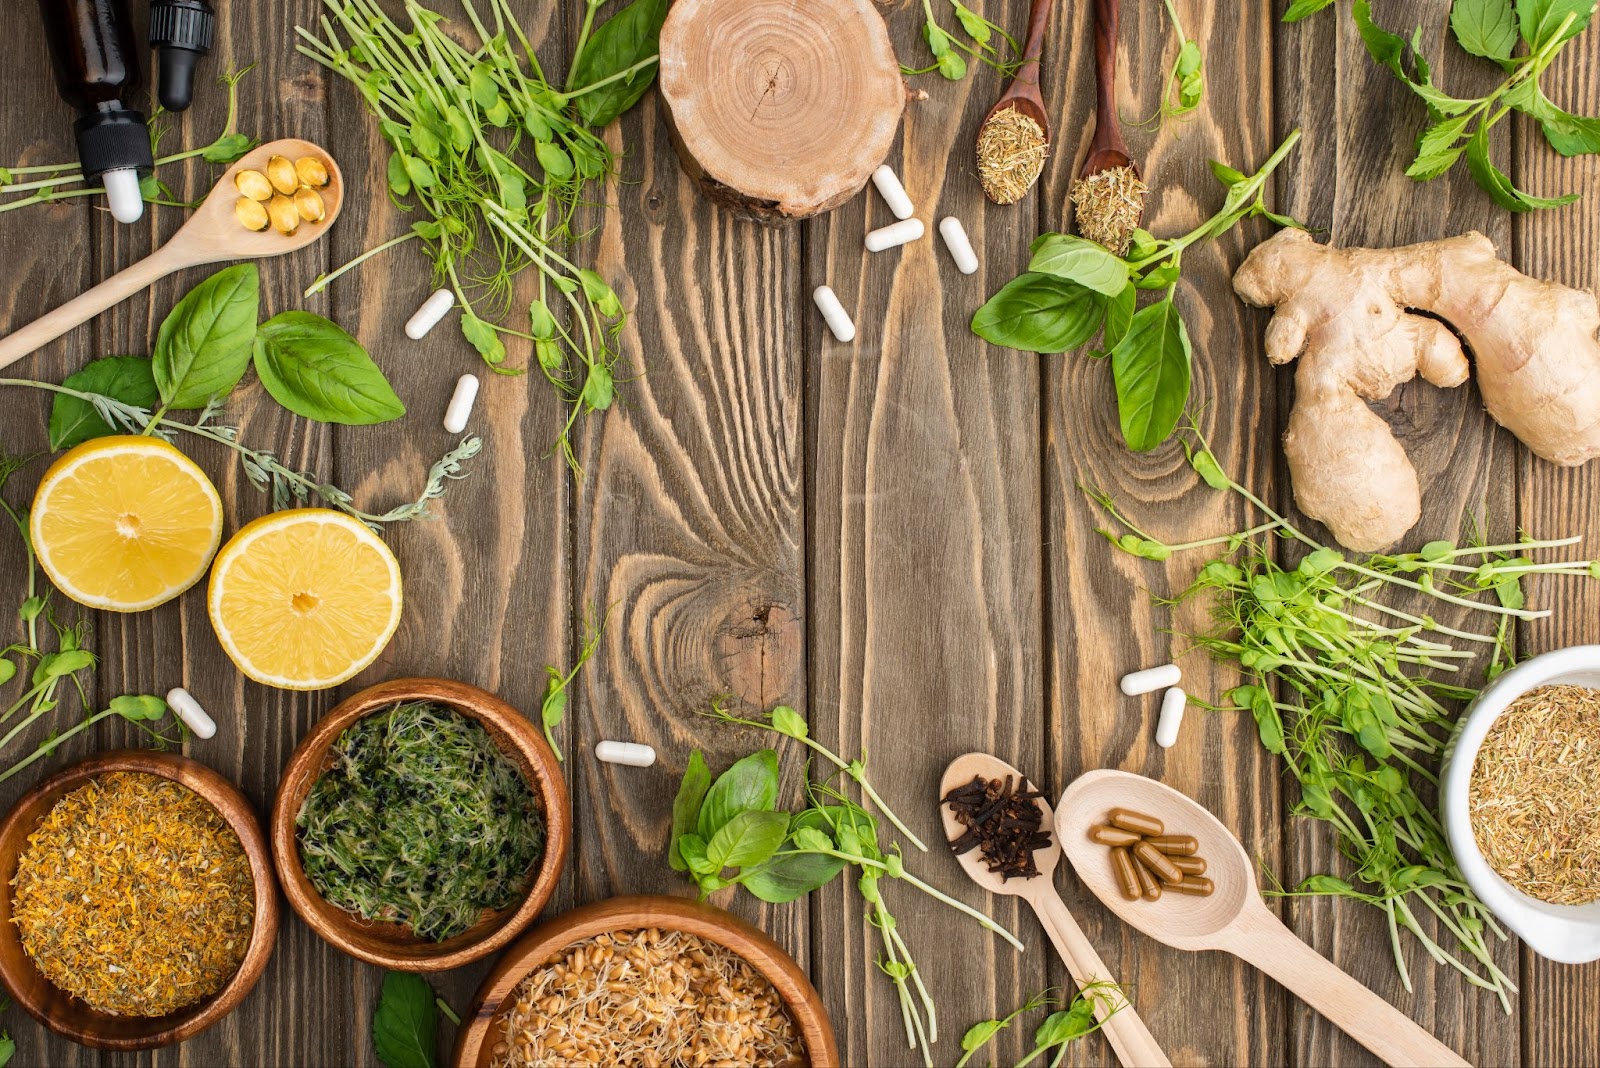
[[1033, 44], [1393, 1036], [1130, 1039], [80, 309]]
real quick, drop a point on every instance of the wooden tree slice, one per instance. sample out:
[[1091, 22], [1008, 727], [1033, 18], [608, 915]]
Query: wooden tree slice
[[781, 109]]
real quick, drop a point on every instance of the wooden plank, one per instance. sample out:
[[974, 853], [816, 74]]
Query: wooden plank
[[925, 560], [1349, 178], [1203, 1008], [1558, 1024]]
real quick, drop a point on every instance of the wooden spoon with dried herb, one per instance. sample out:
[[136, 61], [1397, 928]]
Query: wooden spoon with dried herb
[[1109, 193], [1014, 140]]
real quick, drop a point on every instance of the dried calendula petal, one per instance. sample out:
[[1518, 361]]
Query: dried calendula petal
[[282, 174], [285, 217], [312, 171], [252, 214], [309, 204], [253, 184]]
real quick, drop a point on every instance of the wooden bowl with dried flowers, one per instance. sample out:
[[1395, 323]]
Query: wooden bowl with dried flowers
[[398, 945], [668, 921], [73, 1017]]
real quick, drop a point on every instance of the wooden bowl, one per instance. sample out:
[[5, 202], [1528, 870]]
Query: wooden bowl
[[394, 945], [476, 1039], [69, 1016]]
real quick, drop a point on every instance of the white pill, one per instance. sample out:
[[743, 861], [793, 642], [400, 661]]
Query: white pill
[[189, 710], [633, 754], [894, 194], [833, 313], [895, 234], [1172, 704], [955, 239], [1151, 679], [460, 410], [428, 316]]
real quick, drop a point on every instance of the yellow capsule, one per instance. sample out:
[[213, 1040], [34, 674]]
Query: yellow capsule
[[252, 214], [283, 175], [253, 184], [285, 219], [309, 205], [312, 171]]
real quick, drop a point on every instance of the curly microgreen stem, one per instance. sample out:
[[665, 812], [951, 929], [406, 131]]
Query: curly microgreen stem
[[856, 769], [323, 281]]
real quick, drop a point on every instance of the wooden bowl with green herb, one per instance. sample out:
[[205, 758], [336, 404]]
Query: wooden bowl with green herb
[[602, 931], [421, 825], [97, 789]]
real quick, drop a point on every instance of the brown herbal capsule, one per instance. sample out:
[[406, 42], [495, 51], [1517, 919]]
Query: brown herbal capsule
[[1112, 836], [309, 204], [311, 171], [252, 214], [1157, 861], [253, 184], [1127, 873], [1182, 845], [285, 218], [1193, 885], [1149, 885], [282, 175], [1188, 865], [1137, 822]]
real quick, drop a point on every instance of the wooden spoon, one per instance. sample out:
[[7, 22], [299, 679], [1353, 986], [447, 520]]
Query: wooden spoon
[[212, 235], [1023, 92], [1233, 919], [1130, 1039], [1108, 150]]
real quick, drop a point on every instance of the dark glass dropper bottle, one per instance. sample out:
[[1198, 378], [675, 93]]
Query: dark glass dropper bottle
[[96, 61]]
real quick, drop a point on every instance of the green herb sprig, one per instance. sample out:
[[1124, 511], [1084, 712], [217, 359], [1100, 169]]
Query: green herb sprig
[[1074, 288], [46, 183], [405, 1023], [1459, 127], [1186, 83], [1358, 695], [554, 709], [981, 37], [983, 1032], [1096, 1003]]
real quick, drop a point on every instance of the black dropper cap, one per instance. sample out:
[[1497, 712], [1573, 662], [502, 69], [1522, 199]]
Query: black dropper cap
[[181, 31]]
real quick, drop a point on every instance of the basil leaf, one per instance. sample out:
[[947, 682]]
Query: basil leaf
[[1040, 313], [626, 39], [125, 378], [315, 369], [1540, 19], [686, 806], [405, 1023], [1151, 366], [784, 879], [1078, 260], [203, 347], [1486, 28], [747, 839], [1119, 315], [751, 785]]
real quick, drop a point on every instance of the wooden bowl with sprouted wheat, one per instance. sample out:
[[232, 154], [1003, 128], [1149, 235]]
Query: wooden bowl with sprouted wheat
[[395, 945], [483, 1025], [73, 1018]]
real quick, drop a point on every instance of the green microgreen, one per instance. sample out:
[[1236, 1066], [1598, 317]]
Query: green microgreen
[[1186, 83], [982, 1033], [978, 38], [554, 709]]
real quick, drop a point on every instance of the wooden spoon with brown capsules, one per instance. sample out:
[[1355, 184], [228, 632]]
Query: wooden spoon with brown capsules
[[1129, 1037], [1014, 140], [1233, 918]]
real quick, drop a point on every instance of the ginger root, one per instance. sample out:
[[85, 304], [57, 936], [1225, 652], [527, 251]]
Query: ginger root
[[1346, 314]]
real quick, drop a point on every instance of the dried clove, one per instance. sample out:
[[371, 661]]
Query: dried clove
[[1003, 819]]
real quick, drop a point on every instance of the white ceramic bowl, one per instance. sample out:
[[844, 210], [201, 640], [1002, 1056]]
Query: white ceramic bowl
[[1569, 934]]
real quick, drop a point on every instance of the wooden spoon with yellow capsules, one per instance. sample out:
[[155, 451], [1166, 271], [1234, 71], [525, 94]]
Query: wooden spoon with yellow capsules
[[213, 234]]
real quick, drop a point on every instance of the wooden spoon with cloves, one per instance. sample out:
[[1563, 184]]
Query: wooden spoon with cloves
[[1109, 193], [1014, 140]]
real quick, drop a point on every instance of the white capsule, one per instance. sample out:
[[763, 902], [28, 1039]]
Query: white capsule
[[894, 194], [1172, 705], [434, 309], [834, 315], [189, 710], [633, 754], [460, 410], [895, 234], [955, 239], [1151, 679]]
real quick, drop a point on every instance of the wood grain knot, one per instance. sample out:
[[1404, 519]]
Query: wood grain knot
[[760, 649]]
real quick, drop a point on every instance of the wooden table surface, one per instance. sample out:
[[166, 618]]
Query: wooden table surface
[[888, 535]]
